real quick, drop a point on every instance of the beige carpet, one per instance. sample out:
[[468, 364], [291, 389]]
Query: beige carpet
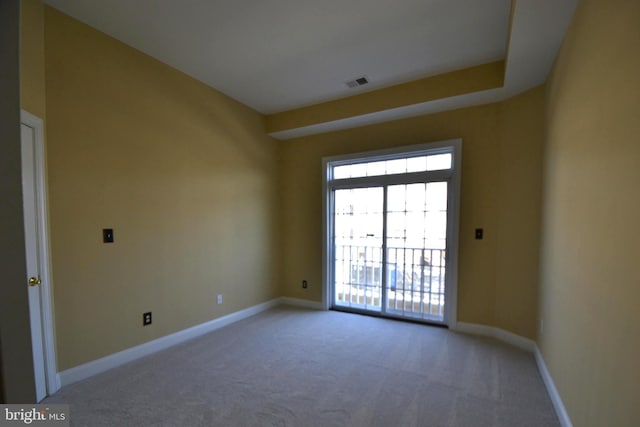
[[292, 367]]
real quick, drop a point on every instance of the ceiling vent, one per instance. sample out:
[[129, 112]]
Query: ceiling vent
[[360, 81]]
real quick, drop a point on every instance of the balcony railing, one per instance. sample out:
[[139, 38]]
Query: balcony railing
[[414, 281]]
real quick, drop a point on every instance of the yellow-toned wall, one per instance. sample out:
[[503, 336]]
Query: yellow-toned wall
[[518, 212], [184, 175], [32, 91], [590, 280], [501, 164]]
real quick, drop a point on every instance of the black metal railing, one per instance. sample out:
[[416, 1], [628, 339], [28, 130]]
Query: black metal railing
[[414, 278]]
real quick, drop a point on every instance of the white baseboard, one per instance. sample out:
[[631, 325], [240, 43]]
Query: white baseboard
[[497, 333], [528, 345], [57, 384], [113, 360], [304, 303], [561, 411]]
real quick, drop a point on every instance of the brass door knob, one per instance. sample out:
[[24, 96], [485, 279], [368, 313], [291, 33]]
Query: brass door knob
[[34, 281]]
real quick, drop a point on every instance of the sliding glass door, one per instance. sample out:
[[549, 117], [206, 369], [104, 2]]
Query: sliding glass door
[[390, 227]]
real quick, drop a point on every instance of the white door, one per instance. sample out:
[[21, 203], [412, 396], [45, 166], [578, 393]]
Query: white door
[[36, 253]]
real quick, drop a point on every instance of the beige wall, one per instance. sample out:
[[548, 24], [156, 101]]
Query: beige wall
[[590, 281], [518, 212], [500, 180], [32, 91], [184, 175]]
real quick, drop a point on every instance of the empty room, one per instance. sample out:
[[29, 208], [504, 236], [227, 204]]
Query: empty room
[[327, 213]]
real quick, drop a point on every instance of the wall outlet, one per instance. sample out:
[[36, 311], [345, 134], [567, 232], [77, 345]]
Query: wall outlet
[[305, 285], [219, 298], [146, 318]]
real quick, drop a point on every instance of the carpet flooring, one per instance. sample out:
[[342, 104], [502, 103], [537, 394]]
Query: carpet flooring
[[295, 367]]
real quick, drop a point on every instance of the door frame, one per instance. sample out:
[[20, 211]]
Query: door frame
[[50, 363], [452, 145]]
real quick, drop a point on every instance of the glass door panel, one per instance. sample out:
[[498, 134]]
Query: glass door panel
[[357, 248], [416, 235]]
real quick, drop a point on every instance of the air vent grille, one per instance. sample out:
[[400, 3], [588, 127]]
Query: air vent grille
[[360, 81]]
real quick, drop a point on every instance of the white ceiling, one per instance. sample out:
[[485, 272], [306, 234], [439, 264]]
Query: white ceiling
[[275, 55], [537, 30]]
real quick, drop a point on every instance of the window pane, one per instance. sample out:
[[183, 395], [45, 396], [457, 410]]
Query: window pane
[[436, 225], [376, 168], [396, 225], [415, 223], [358, 169], [396, 199], [439, 162], [436, 196], [340, 172], [416, 197], [396, 166], [417, 164]]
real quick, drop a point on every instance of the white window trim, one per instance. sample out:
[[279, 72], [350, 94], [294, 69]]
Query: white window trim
[[453, 146]]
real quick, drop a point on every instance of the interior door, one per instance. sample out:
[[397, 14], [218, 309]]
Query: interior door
[[32, 241]]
